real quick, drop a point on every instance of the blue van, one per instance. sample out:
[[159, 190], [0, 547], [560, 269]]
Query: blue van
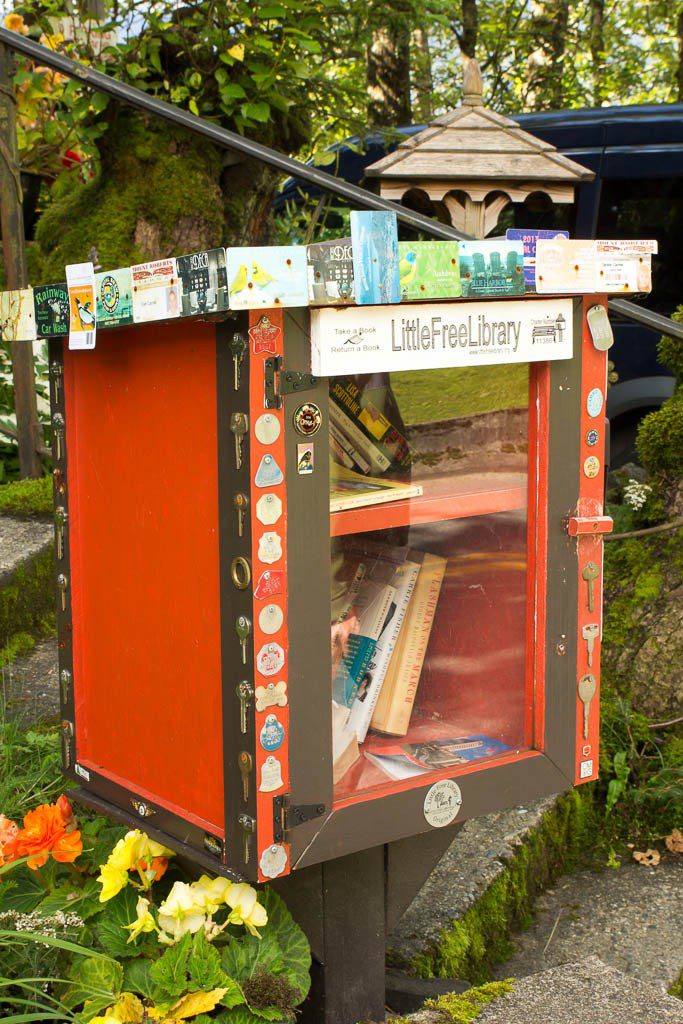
[[636, 153]]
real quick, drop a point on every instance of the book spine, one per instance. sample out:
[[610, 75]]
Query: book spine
[[344, 443], [393, 716], [361, 711], [339, 452], [378, 460]]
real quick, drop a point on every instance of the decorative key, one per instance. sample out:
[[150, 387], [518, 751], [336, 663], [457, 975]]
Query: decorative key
[[590, 574], [245, 763], [56, 371], [240, 503], [58, 431], [60, 484], [238, 347], [60, 523], [587, 687], [239, 424], [63, 583], [248, 826], [243, 629], [245, 694], [590, 633]]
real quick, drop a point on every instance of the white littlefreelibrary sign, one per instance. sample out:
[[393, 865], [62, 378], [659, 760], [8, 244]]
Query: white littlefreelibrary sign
[[376, 339]]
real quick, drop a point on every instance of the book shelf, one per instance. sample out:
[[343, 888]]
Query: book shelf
[[443, 497]]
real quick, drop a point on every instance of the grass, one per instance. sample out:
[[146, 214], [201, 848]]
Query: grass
[[26, 498], [426, 396], [30, 766]]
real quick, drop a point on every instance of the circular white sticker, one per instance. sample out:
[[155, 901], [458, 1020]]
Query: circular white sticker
[[442, 803], [594, 402], [273, 861], [267, 428]]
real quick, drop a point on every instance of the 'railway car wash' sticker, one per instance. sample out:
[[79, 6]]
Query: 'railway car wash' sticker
[[272, 734], [271, 582], [269, 473], [594, 402], [270, 659], [271, 775], [442, 803], [273, 861], [274, 695]]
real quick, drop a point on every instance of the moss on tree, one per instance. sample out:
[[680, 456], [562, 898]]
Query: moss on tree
[[660, 435]]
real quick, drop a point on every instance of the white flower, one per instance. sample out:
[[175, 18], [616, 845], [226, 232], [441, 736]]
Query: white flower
[[636, 494], [181, 912]]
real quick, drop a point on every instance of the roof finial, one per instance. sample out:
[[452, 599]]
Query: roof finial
[[473, 85]]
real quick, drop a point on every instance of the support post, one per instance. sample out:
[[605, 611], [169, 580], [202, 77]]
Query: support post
[[29, 434]]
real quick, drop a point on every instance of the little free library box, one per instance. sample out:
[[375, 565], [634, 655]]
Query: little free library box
[[329, 577]]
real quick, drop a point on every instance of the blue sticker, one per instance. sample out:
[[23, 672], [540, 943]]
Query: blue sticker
[[272, 734], [269, 473], [528, 237], [592, 438], [374, 244], [594, 402]]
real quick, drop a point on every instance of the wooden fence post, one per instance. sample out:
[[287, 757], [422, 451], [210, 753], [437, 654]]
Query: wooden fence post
[[29, 432]]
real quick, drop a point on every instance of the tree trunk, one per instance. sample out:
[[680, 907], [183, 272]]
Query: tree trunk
[[545, 62], [422, 75], [467, 38], [597, 47], [388, 66]]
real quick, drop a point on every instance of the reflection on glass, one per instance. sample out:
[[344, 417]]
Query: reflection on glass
[[428, 603]]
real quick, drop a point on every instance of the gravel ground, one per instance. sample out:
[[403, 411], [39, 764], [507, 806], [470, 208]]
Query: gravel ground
[[30, 686], [631, 918]]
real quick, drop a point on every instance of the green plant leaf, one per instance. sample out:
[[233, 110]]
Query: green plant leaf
[[22, 894], [84, 902], [94, 980], [137, 977], [111, 926], [245, 1015], [243, 955], [291, 940], [204, 965], [169, 973]]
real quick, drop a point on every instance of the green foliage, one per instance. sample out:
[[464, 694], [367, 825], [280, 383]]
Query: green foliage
[[27, 600], [26, 498], [465, 1007], [94, 980], [660, 438], [30, 769], [110, 927], [470, 947]]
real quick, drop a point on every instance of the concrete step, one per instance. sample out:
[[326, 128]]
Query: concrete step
[[21, 541], [586, 991]]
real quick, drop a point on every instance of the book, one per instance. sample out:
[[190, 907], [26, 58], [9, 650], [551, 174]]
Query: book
[[373, 440], [267, 276], [155, 291], [51, 307], [330, 273], [114, 298], [349, 489], [345, 750], [492, 267], [17, 315], [404, 580], [428, 270], [405, 761], [374, 245], [370, 605], [203, 280], [397, 696]]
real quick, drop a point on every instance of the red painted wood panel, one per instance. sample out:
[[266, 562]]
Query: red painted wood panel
[[143, 506]]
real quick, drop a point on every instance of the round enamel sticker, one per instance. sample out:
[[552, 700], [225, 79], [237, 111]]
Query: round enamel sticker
[[594, 402], [267, 428], [272, 734], [442, 803], [273, 861], [270, 618], [592, 438], [591, 466], [308, 419]]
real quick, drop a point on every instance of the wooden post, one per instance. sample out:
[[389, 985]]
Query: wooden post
[[29, 432]]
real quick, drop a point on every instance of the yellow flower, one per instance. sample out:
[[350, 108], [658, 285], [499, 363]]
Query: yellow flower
[[112, 880], [15, 23], [212, 892], [125, 853], [245, 908], [181, 912], [144, 922]]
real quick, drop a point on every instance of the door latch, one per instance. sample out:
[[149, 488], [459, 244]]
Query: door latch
[[279, 382]]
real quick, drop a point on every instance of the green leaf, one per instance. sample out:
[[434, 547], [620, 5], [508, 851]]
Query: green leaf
[[84, 902], [22, 894], [204, 965], [169, 973], [243, 955], [137, 977], [256, 111], [94, 980], [291, 940], [194, 109], [232, 89], [111, 925]]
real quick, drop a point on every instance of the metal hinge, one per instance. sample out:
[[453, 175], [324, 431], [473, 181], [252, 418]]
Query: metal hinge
[[581, 526], [279, 382], [287, 816]]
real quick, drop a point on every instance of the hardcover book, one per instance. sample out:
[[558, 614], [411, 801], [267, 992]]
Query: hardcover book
[[397, 696], [428, 270], [349, 489], [51, 307], [492, 267], [374, 242], [267, 276], [203, 280], [330, 273], [368, 613], [156, 295], [114, 296]]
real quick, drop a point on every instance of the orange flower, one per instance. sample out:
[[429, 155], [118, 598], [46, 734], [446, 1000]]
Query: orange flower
[[8, 830], [15, 23], [65, 809], [158, 866], [45, 832]]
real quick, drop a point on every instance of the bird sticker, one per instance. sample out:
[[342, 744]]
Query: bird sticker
[[239, 282], [259, 276], [407, 267], [85, 314]]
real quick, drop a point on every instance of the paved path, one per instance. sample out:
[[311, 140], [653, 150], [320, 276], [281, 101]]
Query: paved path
[[631, 918]]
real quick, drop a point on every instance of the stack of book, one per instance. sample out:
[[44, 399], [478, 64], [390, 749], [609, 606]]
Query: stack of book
[[381, 633]]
